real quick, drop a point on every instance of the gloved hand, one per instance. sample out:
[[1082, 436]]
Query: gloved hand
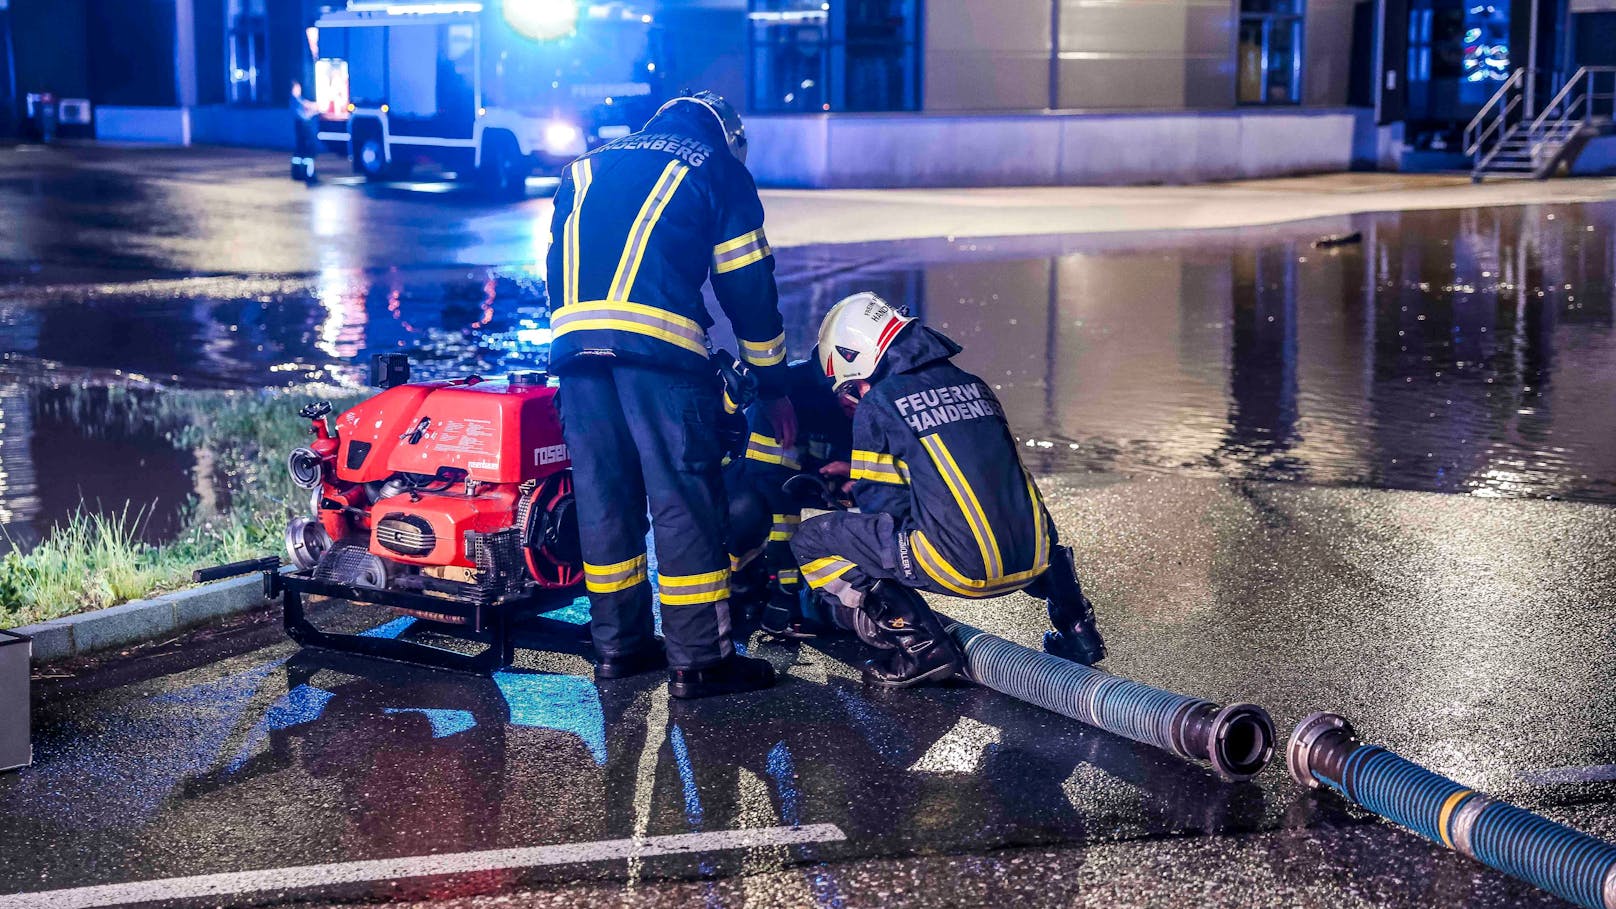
[[783, 417]]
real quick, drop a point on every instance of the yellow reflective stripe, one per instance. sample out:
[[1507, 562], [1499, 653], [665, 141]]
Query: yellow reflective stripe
[[756, 255], [582, 174], [636, 328], [878, 467], [692, 580], [765, 353], [947, 576], [969, 506], [638, 561], [595, 586], [745, 239], [639, 235], [693, 589], [1447, 813], [766, 450], [819, 564], [877, 476], [698, 598], [788, 578], [785, 527], [820, 572], [609, 315], [625, 310], [613, 578], [732, 255], [1040, 551]]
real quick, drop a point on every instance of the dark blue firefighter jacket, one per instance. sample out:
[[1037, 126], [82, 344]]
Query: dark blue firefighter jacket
[[640, 224]]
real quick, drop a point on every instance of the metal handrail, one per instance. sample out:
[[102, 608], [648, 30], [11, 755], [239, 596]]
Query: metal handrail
[[1511, 85], [1561, 99]]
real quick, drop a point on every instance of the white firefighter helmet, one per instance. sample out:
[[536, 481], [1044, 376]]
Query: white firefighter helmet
[[728, 120], [855, 336]]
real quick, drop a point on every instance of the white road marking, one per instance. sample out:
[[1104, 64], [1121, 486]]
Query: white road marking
[[1604, 773], [311, 876]]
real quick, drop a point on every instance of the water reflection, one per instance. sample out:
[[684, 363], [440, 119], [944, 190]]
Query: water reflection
[[1454, 351]]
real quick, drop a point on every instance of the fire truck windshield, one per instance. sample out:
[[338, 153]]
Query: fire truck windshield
[[608, 61]]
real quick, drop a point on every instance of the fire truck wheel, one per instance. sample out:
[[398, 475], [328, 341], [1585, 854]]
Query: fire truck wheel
[[503, 172], [370, 158]]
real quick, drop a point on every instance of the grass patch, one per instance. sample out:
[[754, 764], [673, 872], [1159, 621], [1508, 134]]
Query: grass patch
[[240, 441]]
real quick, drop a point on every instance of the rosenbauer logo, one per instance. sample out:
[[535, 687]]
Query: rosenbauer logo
[[553, 454]]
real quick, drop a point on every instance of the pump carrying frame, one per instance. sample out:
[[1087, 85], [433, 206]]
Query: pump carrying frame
[[497, 623]]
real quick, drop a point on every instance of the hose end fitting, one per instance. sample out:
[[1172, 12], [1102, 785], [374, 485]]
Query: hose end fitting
[[1242, 742], [1299, 753]]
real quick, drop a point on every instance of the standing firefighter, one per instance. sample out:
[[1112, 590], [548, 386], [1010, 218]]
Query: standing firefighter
[[305, 134], [640, 224], [945, 504]]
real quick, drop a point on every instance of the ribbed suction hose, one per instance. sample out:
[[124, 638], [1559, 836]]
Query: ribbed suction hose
[[1325, 751], [1237, 740]]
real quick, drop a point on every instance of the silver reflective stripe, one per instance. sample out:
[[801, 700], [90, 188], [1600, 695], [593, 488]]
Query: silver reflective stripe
[[766, 450], [735, 254], [765, 353], [821, 571], [602, 315], [639, 235], [582, 175]]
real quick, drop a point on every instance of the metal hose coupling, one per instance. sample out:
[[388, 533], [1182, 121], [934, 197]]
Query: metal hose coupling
[[1237, 740], [1325, 751]]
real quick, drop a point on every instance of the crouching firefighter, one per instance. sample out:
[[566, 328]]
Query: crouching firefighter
[[944, 502], [640, 224], [764, 515]]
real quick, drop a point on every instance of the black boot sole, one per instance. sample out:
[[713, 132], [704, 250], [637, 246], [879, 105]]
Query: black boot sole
[[940, 674], [696, 692], [605, 672]]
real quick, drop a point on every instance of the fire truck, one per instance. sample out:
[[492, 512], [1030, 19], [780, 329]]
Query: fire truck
[[492, 90]]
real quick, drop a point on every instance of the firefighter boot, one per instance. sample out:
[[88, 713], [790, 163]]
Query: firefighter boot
[[1076, 637], [731, 675], [921, 650], [634, 662], [782, 615]]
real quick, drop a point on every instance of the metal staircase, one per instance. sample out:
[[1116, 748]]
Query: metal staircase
[[1506, 140]]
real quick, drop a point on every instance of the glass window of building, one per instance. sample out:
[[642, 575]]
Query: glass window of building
[[247, 45], [809, 56], [1270, 52]]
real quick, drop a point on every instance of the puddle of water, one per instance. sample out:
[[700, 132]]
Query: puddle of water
[[1453, 351]]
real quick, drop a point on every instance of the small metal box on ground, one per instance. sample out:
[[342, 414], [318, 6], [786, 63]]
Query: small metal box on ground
[[15, 748]]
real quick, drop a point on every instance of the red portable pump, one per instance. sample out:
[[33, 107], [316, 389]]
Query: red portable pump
[[448, 501]]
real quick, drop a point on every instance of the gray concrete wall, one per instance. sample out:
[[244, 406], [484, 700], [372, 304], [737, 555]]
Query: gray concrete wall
[[1327, 52], [988, 55], [872, 150], [1145, 54], [982, 55]]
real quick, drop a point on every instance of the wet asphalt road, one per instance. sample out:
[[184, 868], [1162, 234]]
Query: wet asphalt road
[[1472, 634]]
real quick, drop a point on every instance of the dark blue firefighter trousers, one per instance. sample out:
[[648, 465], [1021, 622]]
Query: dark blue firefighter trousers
[[638, 435]]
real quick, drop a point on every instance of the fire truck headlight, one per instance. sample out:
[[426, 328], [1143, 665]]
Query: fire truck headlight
[[542, 20], [562, 138]]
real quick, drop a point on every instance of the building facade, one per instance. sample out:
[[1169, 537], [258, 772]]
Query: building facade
[[915, 92]]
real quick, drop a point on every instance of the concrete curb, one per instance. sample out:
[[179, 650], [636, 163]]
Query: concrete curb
[[140, 621]]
